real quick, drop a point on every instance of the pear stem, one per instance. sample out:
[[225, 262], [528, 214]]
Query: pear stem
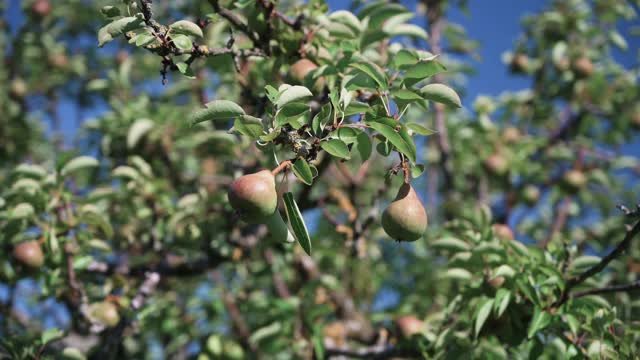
[[283, 165], [405, 169]]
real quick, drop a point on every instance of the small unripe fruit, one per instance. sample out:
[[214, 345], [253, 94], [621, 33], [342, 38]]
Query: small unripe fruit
[[635, 118], [575, 179], [562, 64], [497, 164], [301, 68], [503, 231], [520, 63], [409, 325], [105, 312], [531, 194], [41, 8], [254, 196], [511, 135], [59, 60], [583, 66], [405, 219], [18, 88], [29, 253], [497, 282]]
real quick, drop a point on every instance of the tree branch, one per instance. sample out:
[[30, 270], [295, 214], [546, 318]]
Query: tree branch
[[577, 280], [634, 286]]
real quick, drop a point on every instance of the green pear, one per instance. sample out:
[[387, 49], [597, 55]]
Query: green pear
[[105, 312], [405, 219]]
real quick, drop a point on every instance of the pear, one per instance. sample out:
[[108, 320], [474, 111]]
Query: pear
[[520, 63], [583, 66], [29, 253], [405, 219], [301, 68], [574, 179], [255, 198], [497, 164], [503, 231], [409, 325], [105, 312]]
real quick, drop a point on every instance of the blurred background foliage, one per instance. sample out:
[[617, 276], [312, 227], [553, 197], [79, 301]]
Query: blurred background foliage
[[118, 242]]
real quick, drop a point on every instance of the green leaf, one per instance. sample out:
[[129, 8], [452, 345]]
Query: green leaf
[[187, 28], [182, 42], [356, 107], [503, 297], [22, 211], [90, 214], [144, 39], [336, 148], [293, 94], [347, 18], [483, 314], [216, 110], [504, 270], [458, 274], [110, 11], [422, 70], [78, 163], [419, 129], [302, 171], [297, 222], [406, 30], [185, 69], [117, 27], [139, 129], [442, 94], [541, 319], [374, 72], [30, 170], [50, 334], [382, 13], [395, 138], [404, 58], [451, 244], [364, 145], [249, 126]]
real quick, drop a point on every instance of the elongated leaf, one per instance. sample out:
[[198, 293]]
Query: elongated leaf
[[78, 163], [336, 148], [374, 72], [117, 27], [395, 138], [451, 243], [249, 126], [217, 110], [297, 222], [186, 27], [503, 297], [541, 319], [364, 145], [182, 42], [302, 171], [483, 314], [293, 94], [442, 94], [419, 129], [424, 69], [139, 128]]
